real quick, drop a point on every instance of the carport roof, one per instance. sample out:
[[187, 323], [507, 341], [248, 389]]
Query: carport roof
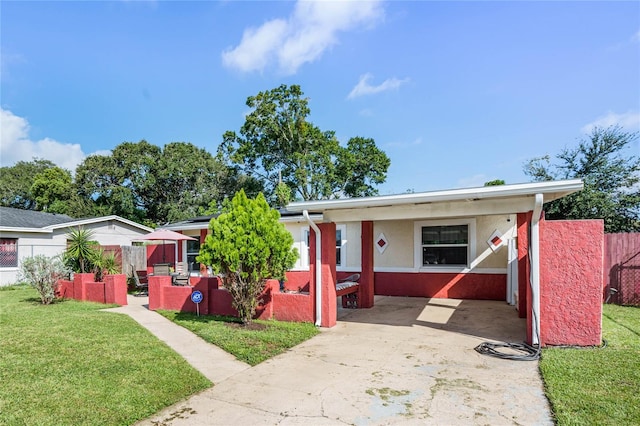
[[551, 190]]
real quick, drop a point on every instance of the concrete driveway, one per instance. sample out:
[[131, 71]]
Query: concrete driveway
[[405, 361]]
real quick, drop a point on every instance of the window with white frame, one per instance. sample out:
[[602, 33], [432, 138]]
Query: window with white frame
[[193, 250], [8, 253], [441, 244], [341, 247]]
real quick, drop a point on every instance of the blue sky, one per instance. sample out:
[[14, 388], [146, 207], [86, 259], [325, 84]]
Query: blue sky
[[456, 93]]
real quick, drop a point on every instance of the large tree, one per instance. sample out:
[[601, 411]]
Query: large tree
[[195, 179], [611, 177], [278, 144], [146, 183], [16, 182], [121, 183], [52, 190], [248, 245]]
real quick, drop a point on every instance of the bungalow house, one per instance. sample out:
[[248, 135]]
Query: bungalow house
[[25, 233], [488, 243]]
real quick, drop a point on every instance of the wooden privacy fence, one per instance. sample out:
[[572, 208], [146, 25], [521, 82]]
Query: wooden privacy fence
[[136, 256], [622, 268]]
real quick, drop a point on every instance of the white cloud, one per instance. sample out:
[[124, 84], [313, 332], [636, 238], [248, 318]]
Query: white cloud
[[303, 37], [15, 145], [629, 120], [636, 37], [364, 88]]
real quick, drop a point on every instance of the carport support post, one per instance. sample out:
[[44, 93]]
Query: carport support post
[[524, 268], [366, 292], [328, 262]]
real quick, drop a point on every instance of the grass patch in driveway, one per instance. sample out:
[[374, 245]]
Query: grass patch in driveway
[[71, 364], [598, 386], [248, 345]]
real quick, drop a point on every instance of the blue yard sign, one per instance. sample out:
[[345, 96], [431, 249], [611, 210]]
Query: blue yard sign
[[196, 297]]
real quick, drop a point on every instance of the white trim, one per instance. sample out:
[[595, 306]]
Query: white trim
[[351, 269], [551, 190], [300, 219], [25, 230], [417, 248], [191, 227], [343, 247], [98, 220], [391, 269], [303, 262], [303, 250], [299, 269], [534, 256], [318, 268]]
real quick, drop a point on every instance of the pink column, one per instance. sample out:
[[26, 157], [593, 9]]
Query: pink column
[[524, 269], [571, 270], [79, 289], [367, 289], [328, 263], [116, 289], [156, 294], [203, 236]]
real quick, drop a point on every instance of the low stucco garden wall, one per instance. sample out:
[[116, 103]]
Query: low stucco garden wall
[[83, 287], [217, 300], [571, 254]]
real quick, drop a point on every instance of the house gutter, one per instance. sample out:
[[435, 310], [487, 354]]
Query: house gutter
[[318, 322], [552, 189], [535, 268]]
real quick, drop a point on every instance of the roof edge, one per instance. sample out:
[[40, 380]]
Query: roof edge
[[88, 221], [565, 187]]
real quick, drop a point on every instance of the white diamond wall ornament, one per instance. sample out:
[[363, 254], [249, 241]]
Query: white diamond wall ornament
[[381, 243], [496, 241]]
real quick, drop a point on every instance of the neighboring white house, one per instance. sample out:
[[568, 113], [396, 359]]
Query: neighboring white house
[[25, 233]]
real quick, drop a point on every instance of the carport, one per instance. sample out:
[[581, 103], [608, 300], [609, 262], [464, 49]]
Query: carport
[[493, 234]]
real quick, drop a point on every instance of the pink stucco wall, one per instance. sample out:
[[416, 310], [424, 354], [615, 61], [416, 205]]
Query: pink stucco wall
[[571, 255], [112, 290], [217, 301], [444, 285], [297, 280]]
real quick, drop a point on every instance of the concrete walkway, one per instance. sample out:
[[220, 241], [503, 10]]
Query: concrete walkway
[[214, 363], [405, 361]]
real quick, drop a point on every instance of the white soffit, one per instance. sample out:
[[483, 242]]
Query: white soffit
[[550, 190]]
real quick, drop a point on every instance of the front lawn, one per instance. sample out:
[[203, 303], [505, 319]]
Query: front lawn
[[71, 364], [247, 344], [598, 386]]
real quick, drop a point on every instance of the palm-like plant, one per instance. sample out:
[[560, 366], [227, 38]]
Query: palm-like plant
[[81, 249], [104, 263]]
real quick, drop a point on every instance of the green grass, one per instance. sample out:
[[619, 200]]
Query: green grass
[[71, 364], [598, 386], [250, 346]]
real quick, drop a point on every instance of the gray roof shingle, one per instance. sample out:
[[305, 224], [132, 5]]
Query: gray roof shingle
[[18, 218]]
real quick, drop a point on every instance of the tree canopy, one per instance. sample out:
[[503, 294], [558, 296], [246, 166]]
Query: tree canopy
[[248, 245], [52, 189], [148, 184], [137, 180], [611, 179], [278, 144], [16, 182]]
